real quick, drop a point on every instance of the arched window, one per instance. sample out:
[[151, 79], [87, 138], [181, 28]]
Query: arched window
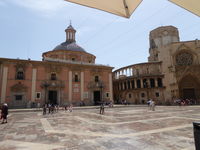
[[152, 83], [125, 87], [145, 83], [129, 85], [160, 84], [138, 84], [53, 76], [133, 84]]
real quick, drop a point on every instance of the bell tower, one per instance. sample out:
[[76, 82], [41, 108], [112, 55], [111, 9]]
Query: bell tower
[[160, 37]]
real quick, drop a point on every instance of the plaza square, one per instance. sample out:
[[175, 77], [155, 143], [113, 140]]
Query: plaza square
[[120, 128]]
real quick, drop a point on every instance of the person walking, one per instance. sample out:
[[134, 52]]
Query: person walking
[[4, 113], [152, 105], [44, 109], [102, 108]]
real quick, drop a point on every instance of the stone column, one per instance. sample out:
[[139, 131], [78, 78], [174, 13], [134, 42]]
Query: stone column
[[34, 74], [141, 83], [82, 86], [110, 87], [70, 86], [156, 82], [135, 82], [4, 84], [130, 81], [148, 83], [123, 86]]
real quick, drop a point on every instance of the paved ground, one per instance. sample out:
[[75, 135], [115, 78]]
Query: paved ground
[[130, 128]]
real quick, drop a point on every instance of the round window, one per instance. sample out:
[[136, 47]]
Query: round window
[[184, 59]]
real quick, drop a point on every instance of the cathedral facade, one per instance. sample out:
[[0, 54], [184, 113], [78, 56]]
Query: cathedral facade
[[66, 75], [172, 71]]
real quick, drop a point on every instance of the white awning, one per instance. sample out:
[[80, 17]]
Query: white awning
[[190, 5], [122, 8]]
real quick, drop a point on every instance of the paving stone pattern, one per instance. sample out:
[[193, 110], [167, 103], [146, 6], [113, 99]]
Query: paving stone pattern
[[127, 128]]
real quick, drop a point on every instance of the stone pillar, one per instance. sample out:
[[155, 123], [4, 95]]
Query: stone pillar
[[156, 82], [148, 83], [123, 86], [141, 83], [4, 84], [135, 82], [34, 74], [82, 86], [130, 81], [70, 86], [110, 87]]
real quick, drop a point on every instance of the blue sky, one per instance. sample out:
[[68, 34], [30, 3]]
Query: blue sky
[[30, 27]]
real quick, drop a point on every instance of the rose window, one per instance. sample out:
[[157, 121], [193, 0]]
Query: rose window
[[184, 59]]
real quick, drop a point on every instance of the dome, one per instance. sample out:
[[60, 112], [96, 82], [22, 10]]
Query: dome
[[72, 46]]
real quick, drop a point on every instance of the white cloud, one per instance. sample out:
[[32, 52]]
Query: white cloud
[[47, 7]]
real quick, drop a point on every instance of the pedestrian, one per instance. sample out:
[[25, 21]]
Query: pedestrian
[[102, 108], [49, 107], [70, 108], [66, 108], [152, 105], [4, 113], [44, 109]]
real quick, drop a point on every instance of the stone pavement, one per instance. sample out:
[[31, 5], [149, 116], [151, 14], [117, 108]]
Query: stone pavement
[[125, 128]]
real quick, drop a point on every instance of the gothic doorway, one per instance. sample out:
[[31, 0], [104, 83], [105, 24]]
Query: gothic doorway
[[189, 88], [189, 94], [97, 97], [52, 97]]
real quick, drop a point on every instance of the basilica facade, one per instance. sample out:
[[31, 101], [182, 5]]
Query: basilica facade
[[66, 75], [172, 71]]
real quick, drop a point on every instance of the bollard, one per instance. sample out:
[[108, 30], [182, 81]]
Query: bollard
[[196, 128]]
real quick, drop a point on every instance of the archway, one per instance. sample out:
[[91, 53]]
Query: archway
[[189, 87]]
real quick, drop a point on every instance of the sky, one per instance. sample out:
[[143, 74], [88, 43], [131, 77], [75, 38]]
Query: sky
[[29, 28]]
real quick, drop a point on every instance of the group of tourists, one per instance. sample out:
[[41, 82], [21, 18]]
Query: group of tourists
[[151, 104], [184, 102], [50, 108], [4, 113], [53, 108], [68, 108]]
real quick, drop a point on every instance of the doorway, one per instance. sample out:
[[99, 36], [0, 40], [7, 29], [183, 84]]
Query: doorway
[[189, 93], [97, 97], [52, 97]]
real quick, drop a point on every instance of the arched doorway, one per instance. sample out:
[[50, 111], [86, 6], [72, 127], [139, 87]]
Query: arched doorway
[[189, 87]]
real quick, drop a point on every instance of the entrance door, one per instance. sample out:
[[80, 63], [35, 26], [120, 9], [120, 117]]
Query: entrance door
[[53, 97], [97, 97], [189, 94]]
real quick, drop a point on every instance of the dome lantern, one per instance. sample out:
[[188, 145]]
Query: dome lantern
[[70, 34]]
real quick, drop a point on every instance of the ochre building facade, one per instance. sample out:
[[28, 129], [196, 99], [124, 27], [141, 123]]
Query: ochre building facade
[[172, 71], [66, 75]]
